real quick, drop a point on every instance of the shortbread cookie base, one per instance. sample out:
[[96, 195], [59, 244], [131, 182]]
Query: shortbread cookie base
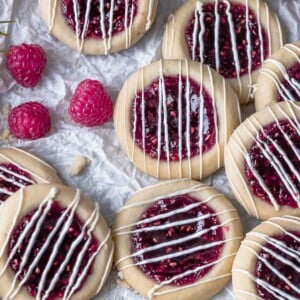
[[131, 213], [175, 47]]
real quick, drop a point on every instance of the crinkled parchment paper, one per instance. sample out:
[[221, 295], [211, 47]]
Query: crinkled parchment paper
[[110, 179]]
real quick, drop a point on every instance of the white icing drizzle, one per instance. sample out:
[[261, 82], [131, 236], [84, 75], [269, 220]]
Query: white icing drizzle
[[195, 188], [249, 49], [234, 46], [215, 115], [201, 122], [32, 156], [111, 20], [268, 27], [16, 175], [260, 34], [51, 20], [123, 230], [188, 116], [198, 39], [238, 144], [144, 121], [163, 119], [271, 289], [59, 230], [192, 285], [180, 119], [5, 157], [168, 47], [279, 30], [163, 99], [251, 245], [149, 16], [166, 215], [274, 161], [106, 36], [277, 79], [217, 30], [152, 292]]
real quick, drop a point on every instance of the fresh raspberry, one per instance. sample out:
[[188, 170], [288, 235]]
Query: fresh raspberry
[[90, 105], [30, 120], [26, 63]]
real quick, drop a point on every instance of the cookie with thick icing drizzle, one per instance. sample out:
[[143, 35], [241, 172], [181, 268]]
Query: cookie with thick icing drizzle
[[279, 78], [54, 244], [177, 240], [232, 36], [19, 169], [98, 27], [262, 161], [267, 265], [174, 117]]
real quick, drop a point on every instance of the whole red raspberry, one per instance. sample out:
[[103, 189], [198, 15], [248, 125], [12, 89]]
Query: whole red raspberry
[[26, 63], [30, 120], [90, 105]]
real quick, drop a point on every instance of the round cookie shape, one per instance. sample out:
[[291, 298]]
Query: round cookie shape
[[279, 78], [98, 27], [179, 239], [262, 161], [54, 245], [19, 168], [232, 36], [174, 117], [267, 263]]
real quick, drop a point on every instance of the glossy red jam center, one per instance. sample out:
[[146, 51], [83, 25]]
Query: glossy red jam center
[[291, 88], [285, 189], [27, 255], [276, 259], [122, 16], [168, 127], [180, 252], [12, 179], [204, 49]]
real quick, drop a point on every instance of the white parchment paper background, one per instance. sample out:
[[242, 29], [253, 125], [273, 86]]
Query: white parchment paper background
[[111, 179]]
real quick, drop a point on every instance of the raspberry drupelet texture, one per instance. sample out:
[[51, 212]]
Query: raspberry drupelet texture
[[26, 63], [90, 105], [30, 120]]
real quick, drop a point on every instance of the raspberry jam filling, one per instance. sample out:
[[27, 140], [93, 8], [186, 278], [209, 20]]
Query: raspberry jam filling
[[12, 179], [23, 261], [288, 271], [150, 118], [227, 67], [173, 230], [279, 186], [124, 13], [290, 88]]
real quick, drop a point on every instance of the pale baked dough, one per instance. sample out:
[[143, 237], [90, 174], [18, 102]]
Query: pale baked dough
[[271, 75], [227, 110], [52, 16], [80, 162], [174, 44], [31, 199], [40, 171], [235, 159], [243, 286], [130, 215]]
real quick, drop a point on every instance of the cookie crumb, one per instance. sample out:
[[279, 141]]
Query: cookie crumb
[[123, 283], [5, 110], [79, 164], [5, 134]]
